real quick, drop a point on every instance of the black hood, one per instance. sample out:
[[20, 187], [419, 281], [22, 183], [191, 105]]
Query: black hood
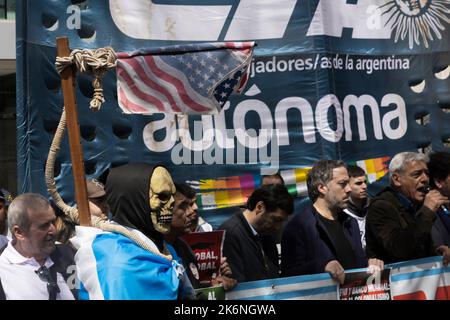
[[127, 189], [360, 212]]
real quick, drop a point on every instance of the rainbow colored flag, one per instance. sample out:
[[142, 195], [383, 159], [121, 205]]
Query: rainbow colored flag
[[234, 191], [295, 181], [375, 168], [226, 191]]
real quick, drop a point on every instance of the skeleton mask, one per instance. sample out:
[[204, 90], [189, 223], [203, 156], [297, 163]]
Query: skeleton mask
[[162, 191]]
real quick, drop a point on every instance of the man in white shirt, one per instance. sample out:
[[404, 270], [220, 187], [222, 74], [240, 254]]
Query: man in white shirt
[[32, 267]]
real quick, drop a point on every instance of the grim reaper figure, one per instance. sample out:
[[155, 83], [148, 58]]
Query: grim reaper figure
[[132, 261]]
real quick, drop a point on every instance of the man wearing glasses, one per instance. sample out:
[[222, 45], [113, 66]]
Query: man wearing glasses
[[32, 267]]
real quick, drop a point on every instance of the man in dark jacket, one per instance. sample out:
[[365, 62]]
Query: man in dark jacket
[[323, 238], [400, 217], [248, 245]]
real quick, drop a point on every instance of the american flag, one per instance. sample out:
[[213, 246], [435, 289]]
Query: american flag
[[188, 79]]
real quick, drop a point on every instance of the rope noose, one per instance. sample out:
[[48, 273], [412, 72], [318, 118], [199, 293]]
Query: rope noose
[[95, 62], [70, 212]]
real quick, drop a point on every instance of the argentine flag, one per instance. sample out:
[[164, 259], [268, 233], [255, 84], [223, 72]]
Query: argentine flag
[[111, 266]]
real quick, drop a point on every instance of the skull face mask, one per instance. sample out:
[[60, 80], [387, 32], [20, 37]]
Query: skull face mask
[[161, 194]]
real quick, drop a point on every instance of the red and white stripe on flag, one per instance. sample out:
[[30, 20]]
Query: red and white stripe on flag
[[183, 82]]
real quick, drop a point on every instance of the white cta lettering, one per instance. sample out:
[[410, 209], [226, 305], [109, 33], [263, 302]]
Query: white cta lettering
[[180, 22], [332, 16]]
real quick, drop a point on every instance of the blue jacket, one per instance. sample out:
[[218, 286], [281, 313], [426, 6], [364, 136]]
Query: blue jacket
[[306, 247]]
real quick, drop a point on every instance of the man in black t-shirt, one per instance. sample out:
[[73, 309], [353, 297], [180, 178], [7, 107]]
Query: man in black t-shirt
[[322, 238]]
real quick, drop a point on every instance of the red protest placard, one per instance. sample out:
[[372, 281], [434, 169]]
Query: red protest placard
[[207, 247], [366, 286]]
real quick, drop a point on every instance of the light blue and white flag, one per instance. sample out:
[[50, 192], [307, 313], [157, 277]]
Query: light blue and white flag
[[310, 287], [421, 279], [111, 266]]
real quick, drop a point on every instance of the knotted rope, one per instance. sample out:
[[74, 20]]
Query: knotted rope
[[95, 62], [69, 211]]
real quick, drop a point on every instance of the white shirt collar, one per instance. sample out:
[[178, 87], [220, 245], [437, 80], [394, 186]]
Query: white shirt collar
[[253, 229], [14, 257]]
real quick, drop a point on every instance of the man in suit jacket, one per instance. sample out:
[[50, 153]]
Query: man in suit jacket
[[249, 246], [323, 238]]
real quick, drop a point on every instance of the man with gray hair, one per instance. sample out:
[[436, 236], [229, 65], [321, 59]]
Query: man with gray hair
[[400, 217], [32, 267]]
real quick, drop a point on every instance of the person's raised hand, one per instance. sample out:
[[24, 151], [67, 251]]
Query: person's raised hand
[[434, 199]]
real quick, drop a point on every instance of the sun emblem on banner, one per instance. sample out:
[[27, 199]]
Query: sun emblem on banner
[[419, 20]]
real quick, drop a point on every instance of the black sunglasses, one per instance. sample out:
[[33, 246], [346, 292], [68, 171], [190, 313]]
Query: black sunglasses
[[52, 287]]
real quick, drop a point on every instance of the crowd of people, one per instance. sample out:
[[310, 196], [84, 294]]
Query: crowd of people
[[140, 254]]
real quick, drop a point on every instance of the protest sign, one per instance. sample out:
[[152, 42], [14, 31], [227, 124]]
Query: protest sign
[[207, 247], [366, 286]]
